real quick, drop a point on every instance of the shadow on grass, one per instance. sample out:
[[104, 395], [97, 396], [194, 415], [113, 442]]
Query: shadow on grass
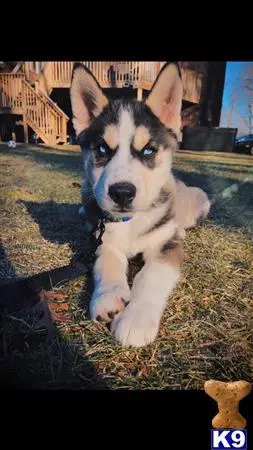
[[232, 199], [7, 271], [60, 223], [33, 354]]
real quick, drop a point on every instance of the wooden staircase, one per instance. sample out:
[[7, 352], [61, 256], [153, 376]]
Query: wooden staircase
[[18, 96]]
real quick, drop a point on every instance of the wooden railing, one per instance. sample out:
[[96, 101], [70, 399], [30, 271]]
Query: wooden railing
[[11, 92], [123, 72], [138, 74], [39, 111], [43, 116]]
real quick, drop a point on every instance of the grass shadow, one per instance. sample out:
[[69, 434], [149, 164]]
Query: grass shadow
[[232, 199], [7, 271], [60, 223], [34, 354]]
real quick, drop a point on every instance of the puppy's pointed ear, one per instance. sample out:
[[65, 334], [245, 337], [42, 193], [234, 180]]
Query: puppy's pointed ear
[[165, 98], [87, 98]]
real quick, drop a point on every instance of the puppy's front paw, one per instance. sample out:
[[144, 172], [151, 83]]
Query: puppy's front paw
[[135, 327], [105, 306]]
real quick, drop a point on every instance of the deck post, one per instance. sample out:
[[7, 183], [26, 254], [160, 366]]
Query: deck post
[[139, 94], [158, 67], [25, 129], [13, 134], [37, 67], [27, 70]]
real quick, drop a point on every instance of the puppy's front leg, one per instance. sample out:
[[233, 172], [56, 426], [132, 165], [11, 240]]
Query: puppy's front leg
[[138, 324], [111, 292]]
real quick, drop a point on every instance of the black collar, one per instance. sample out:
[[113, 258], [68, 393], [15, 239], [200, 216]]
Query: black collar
[[95, 214]]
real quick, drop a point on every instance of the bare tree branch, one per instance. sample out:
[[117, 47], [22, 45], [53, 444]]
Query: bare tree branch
[[244, 88]]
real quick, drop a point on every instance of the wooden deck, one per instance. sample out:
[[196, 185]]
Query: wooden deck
[[116, 74]]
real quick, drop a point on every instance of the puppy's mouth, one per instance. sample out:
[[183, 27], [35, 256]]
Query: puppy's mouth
[[117, 211], [122, 210]]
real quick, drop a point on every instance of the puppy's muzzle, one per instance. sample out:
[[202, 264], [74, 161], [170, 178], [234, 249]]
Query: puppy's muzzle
[[122, 194]]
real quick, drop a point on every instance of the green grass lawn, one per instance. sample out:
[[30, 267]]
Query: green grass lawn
[[207, 328]]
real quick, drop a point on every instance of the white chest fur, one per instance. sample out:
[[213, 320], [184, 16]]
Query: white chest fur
[[133, 237]]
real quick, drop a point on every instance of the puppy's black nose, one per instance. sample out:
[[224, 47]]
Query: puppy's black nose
[[122, 193]]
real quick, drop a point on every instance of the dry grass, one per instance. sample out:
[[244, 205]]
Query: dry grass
[[207, 328]]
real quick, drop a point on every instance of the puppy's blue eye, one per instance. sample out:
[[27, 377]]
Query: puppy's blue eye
[[102, 150], [148, 151]]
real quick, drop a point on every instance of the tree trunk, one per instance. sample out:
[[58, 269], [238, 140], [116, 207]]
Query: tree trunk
[[212, 94]]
